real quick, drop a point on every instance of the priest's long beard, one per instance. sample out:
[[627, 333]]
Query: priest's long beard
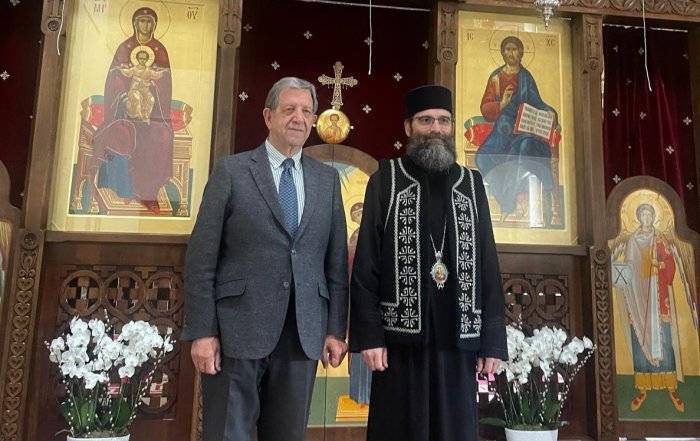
[[432, 152]]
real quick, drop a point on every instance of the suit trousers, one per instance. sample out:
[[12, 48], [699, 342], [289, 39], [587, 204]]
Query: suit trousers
[[271, 394]]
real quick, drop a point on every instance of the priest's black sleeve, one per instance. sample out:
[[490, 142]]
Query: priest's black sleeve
[[493, 331], [366, 330]]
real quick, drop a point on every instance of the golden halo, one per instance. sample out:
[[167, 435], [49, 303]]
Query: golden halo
[[663, 213], [333, 126], [148, 50], [511, 30], [163, 12]]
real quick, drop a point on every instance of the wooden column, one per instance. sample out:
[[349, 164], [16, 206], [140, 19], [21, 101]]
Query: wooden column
[[23, 289], [227, 79], [588, 66], [444, 52]]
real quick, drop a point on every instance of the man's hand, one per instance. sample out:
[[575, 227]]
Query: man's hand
[[206, 355], [507, 95], [334, 350], [376, 359], [487, 365]]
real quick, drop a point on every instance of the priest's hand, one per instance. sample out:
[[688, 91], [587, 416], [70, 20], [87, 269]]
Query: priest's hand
[[206, 355], [376, 359], [334, 350], [487, 365]]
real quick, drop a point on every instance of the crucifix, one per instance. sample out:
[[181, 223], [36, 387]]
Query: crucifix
[[338, 82]]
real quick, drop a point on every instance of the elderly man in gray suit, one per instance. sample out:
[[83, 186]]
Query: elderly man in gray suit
[[266, 278]]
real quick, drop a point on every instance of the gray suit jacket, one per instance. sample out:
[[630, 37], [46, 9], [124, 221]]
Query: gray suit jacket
[[241, 260]]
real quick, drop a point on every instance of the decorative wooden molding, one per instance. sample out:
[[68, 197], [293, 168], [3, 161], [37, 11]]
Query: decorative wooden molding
[[19, 315], [53, 16], [668, 9], [19, 333], [537, 299], [671, 7], [230, 23], [104, 238], [603, 335], [593, 43], [447, 33], [9, 216], [226, 79], [590, 183], [446, 22]]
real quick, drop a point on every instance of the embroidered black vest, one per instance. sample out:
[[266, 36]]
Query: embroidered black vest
[[401, 302]]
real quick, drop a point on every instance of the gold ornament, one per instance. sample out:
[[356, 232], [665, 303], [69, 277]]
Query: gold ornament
[[333, 126]]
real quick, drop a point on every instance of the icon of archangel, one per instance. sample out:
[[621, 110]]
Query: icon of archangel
[[653, 273]]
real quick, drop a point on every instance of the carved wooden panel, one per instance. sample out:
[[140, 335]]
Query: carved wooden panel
[[134, 281], [53, 16], [537, 299], [684, 8], [226, 77], [447, 33], [679, 7], [593, 43], [149, 293], [604, 361], [21, 304], [547, 286], [230, 22], [445, 52]]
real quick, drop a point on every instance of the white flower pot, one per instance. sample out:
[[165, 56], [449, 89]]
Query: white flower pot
[[531, 435], [109, 438]]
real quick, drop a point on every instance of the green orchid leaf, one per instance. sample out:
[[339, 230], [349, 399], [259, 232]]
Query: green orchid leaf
[[121, 412]]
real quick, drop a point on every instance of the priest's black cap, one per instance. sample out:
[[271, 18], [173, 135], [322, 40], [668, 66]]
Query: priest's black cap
[[428, 97]]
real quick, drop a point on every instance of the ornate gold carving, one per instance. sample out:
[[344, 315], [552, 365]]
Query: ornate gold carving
[[19, 329], [230, 23], [602, 311], [447, 38], [593, 47]]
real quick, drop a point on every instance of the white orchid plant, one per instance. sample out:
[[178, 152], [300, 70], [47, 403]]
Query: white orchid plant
[[106, 375], [533, 385]]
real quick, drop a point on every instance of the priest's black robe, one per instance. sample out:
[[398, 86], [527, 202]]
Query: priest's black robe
[[428, 393]]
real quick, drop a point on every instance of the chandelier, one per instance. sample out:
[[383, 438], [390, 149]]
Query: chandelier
[[546, 8]]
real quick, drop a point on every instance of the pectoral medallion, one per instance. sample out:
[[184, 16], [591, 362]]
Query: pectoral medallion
[[439, 271]]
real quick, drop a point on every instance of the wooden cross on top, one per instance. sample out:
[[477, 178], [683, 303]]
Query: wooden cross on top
[[338, 82]]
